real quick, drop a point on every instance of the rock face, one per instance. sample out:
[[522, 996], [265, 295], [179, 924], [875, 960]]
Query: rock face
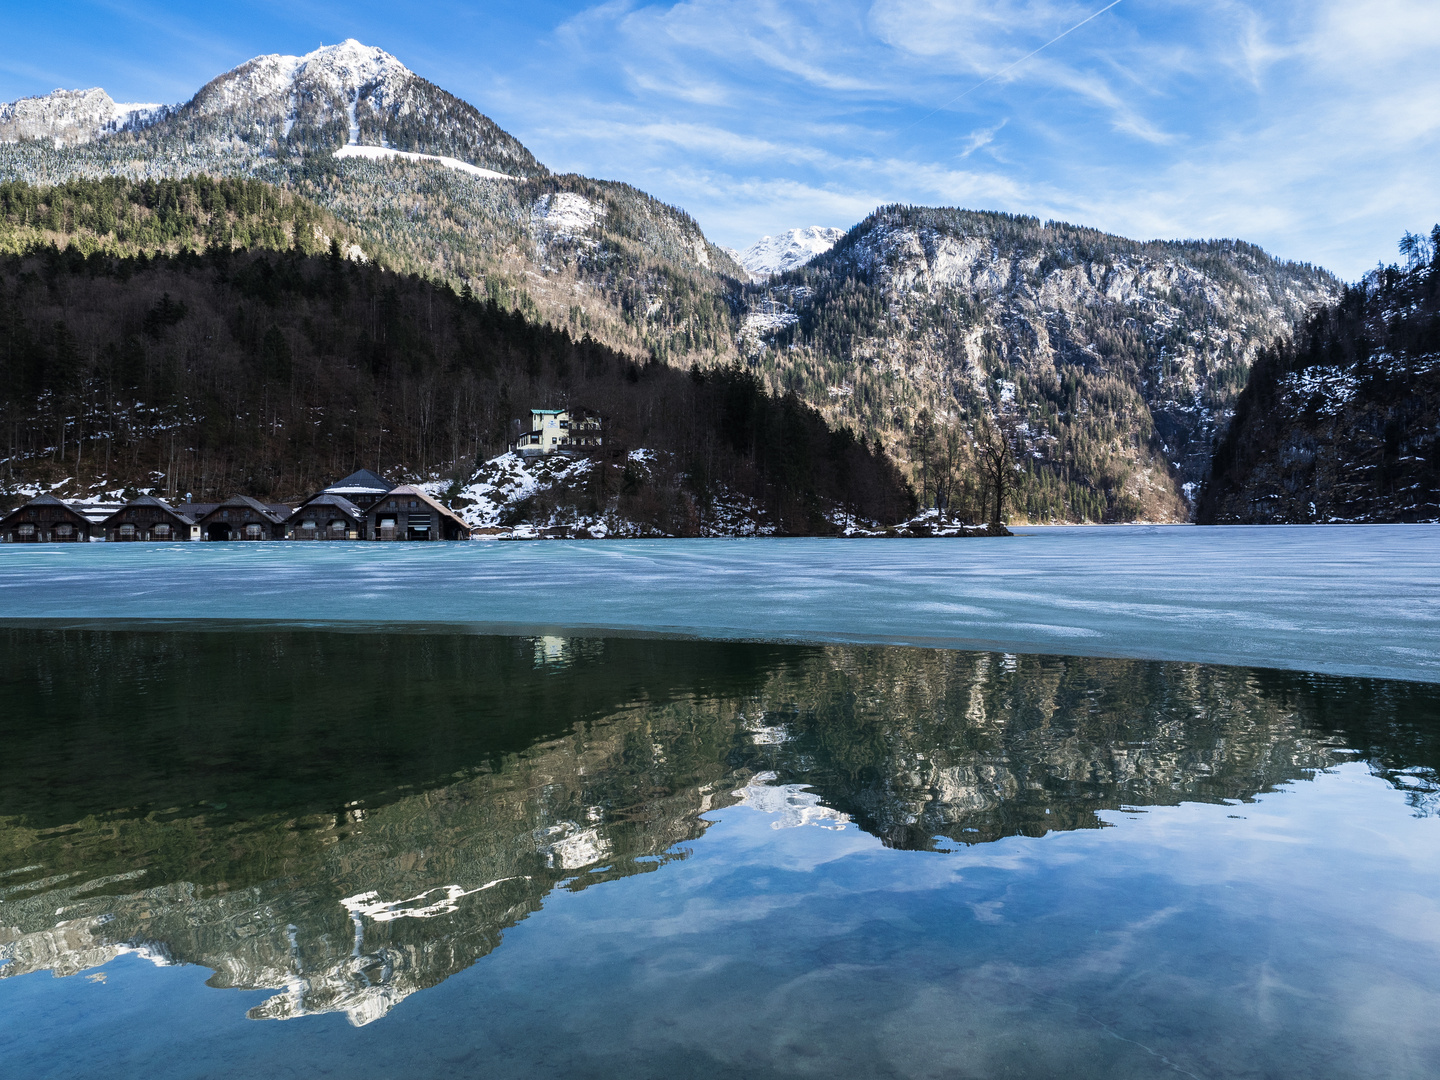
[[1343, 423], [1115, 361], [72, 117]]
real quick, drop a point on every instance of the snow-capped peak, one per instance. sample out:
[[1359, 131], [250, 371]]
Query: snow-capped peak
[[337, 76], [796, 247], [71, 116]]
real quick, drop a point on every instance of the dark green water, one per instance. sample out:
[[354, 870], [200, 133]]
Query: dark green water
[[277, 852]]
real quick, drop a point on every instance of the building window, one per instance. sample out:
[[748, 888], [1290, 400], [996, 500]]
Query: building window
[[252, 531], [308, 525], [225, 514], [337, 526], [393, 504], [127, 530], [27, 529], [64, 530], [161, 530]]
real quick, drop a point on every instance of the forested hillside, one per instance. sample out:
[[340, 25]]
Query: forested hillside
[[1112, 363], [270, 373], [1342, 422], [120, 217]]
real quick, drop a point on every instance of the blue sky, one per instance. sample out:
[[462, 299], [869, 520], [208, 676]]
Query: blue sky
[[1311, 127]]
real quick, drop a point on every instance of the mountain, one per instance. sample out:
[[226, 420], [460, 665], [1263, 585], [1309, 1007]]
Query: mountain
[[437, 187], [346, 94], [1342, 422], [72, 117], [777, 254], [1110, 364]]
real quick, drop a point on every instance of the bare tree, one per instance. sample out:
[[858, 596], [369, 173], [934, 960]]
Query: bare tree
[[995, 443]]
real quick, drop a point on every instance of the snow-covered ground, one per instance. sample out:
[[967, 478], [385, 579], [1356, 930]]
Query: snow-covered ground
[[501, 484], [380, 153]]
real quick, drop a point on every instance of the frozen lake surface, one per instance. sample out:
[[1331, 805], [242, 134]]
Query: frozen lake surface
[[1355, 600]]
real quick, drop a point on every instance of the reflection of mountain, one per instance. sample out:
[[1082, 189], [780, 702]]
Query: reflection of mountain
[[348, 866]]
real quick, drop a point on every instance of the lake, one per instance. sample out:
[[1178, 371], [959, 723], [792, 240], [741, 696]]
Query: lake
[[624, 810]]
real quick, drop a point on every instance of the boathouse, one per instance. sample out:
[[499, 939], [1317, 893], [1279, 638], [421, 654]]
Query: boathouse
[[44, 520], [363, 488], [242, 518], [407, 513], [149, 518], [326, 517]]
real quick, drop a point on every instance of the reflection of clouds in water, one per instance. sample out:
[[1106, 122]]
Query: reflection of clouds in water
[[793, 803]]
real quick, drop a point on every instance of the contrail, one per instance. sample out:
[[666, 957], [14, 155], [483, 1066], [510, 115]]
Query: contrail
[[1012, 67]]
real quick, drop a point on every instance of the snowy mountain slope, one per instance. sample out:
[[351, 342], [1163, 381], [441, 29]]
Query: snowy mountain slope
[[346, 94], [789, 250], [1116, 361], [72, 117]]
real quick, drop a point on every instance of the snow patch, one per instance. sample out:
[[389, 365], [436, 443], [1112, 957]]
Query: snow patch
[[564, 213], [379, 153]]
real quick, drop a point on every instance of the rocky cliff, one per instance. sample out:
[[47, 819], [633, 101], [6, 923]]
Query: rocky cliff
[[1342, 423], [1115, 361]]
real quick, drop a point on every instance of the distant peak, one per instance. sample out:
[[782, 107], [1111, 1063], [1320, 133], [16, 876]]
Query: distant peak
[[792, 248]]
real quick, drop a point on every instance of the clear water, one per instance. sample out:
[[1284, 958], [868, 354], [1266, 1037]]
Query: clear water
[[1359, 600], [286, 852], [279, 812]]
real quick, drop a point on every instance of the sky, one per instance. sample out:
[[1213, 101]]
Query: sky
[[1310, 127]]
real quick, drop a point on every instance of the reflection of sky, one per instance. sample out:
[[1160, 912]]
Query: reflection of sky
[[1295, 935], [1358, 600]]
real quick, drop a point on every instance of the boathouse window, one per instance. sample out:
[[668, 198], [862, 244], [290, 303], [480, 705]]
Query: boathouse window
[[161, 530], [127, 530], [64, 530], [413, 504], [252, 531], [27, 529], [225, 515], [392, 507], [337, 526]]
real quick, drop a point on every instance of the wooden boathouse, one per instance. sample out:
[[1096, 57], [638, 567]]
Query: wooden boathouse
[[326, 517], [149, 519], [407, 513], [242, 518], [44, 520]]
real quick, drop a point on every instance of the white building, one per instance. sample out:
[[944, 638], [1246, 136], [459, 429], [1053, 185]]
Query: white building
[[556, 431]]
